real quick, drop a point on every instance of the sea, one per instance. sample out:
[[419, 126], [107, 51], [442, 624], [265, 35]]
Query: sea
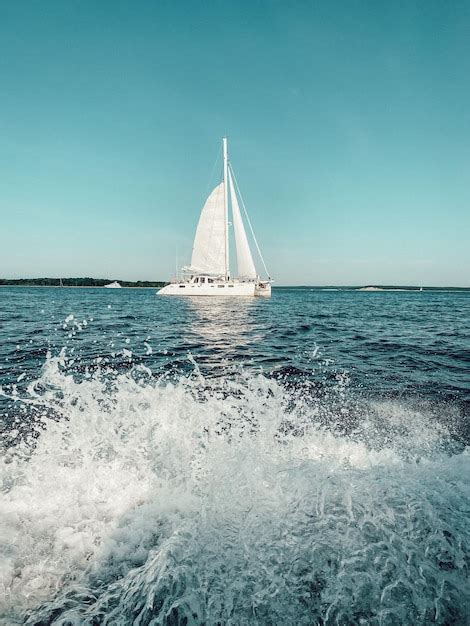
[[296, 460]]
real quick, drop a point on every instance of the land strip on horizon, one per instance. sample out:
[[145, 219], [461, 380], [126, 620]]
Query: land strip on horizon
[[101, 282]]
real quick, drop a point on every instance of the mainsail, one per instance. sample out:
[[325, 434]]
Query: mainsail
[[209, 253], [245, 264]]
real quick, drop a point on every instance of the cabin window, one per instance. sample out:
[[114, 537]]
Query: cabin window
[[203, 280], [182, 286], [210, 280], [220, 286], [231, 286]]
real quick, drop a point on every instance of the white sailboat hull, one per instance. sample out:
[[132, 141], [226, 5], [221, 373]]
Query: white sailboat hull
[[249, 289]]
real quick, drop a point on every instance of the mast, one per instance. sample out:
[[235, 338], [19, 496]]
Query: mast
[[225, 151]]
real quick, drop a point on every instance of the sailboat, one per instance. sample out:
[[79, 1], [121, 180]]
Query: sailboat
[[209, 271]]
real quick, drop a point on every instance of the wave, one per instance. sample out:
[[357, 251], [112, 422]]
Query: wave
[[130, 499]]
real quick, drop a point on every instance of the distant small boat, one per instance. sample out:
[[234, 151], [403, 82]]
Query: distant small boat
[[61, 283], [114, 285], [209, 272]]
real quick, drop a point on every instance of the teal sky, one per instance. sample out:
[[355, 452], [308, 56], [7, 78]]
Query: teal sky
[[348, 125]]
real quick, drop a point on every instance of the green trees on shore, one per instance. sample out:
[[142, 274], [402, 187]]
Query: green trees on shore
[[75, 282]]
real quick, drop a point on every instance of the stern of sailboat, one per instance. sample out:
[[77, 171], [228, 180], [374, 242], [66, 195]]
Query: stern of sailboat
[[263, 289]]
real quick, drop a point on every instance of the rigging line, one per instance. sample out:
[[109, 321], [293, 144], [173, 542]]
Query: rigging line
[[248, 220], [213, 170]]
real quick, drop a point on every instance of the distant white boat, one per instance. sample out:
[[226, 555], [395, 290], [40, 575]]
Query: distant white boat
[[209, 272], [114, 285]]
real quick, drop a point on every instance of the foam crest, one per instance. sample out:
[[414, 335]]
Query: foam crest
[[227, 501]]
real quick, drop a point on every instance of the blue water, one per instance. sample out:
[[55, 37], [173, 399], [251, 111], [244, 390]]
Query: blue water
[[299, 460]]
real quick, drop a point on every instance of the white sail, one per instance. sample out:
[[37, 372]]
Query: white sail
[[246, 267], [209, 249]]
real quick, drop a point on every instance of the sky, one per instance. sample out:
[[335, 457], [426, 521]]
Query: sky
[[348, 126]]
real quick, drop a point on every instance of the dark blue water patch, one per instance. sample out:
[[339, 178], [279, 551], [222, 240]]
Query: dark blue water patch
[[379, 337]]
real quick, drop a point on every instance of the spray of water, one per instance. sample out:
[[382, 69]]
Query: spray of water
[[136, 500]]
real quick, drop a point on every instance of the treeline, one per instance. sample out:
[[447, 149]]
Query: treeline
[[76, 282]]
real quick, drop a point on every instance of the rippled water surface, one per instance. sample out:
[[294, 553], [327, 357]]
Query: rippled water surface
[[299, 460]]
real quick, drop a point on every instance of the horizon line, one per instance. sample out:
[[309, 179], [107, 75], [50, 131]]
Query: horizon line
[[299, 286]]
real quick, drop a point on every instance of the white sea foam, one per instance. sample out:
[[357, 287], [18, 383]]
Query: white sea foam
[[226, 503]]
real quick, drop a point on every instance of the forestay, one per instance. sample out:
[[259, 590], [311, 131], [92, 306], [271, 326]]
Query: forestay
[[209, 255]]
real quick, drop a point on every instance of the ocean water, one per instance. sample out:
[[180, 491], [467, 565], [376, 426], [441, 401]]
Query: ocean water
[[299, 460]]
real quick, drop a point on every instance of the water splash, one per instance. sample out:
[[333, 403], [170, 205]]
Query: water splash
[[136, 500]]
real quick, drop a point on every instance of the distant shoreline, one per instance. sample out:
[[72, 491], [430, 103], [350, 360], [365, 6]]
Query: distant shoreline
[[74, 287], [82, 282], [373, 289], [100, 283]]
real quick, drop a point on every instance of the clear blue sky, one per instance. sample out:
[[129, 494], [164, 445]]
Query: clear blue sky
[[349, 127]]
